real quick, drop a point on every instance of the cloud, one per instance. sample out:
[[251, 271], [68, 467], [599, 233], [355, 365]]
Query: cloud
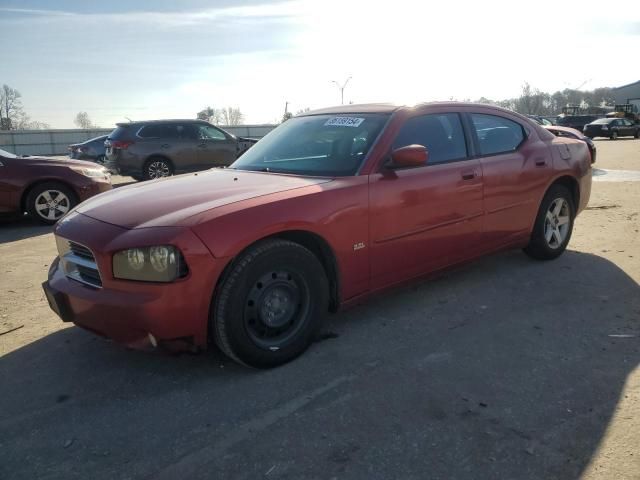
[[172, 59]]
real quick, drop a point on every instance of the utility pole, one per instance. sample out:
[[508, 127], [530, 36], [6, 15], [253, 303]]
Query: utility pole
[[342, 87]]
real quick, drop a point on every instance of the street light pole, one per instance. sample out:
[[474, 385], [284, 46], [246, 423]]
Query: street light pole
[[342, 87]]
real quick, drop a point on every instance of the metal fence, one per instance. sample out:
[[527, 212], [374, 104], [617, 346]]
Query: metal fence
[[55, 142]]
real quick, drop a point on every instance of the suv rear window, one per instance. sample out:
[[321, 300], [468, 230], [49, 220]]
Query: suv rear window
[[121, 132]]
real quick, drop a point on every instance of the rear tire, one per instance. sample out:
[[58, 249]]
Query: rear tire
[[48, 202], [553, 225], [157, 167], [270, 305]]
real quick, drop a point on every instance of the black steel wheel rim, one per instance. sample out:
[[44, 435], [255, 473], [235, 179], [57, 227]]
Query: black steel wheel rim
[[276, 308]]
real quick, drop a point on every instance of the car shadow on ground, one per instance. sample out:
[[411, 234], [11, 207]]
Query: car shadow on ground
[[19, 227], [508, 368]]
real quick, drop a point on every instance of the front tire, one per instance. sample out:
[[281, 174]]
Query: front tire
[[270, 304], [553, 225], [50, 201], [614, 136]]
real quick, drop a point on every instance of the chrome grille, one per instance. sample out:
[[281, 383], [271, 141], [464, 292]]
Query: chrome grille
[[78, 262]]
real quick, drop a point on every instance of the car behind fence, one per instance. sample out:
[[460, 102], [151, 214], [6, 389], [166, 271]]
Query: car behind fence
[[56, 141]]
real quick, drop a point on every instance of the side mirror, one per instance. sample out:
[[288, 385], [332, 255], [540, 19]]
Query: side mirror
[[409, 156]]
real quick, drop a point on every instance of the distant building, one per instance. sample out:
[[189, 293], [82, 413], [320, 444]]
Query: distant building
[[628, 94]]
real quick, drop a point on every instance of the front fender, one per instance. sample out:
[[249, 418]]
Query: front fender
[[337, 212]]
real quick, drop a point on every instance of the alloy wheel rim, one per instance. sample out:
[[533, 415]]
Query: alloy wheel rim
[[158, 170], [276, 309], [557, 223], [52, 204]]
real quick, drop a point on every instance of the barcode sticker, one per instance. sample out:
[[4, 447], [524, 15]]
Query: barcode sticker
[[344, 122]]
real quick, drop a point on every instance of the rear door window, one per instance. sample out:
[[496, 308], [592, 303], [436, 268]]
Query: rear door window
[[497, 135], [187, 131], [161, 130], [441, 134]]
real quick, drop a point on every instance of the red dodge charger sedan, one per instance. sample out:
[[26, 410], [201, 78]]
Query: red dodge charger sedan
[[330, 207]]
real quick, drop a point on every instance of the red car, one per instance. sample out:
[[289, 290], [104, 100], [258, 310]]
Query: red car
[[330, 207], [47, 188]]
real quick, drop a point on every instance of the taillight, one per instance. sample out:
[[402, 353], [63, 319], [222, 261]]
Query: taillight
[[121, 144]]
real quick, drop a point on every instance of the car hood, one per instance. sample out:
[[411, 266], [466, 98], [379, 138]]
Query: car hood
[[56, 162], [171, 201]]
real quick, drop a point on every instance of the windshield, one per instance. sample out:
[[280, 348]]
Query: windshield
[[6, 154], [321, 145]]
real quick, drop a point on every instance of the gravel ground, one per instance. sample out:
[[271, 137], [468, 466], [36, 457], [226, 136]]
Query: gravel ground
[[507, 368]]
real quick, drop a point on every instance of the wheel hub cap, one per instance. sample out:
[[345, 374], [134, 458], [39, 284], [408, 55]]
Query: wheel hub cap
[[276, 309], [557, 223], [52, 204]]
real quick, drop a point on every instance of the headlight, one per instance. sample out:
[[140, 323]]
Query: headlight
[[91, 172], [162, 263]]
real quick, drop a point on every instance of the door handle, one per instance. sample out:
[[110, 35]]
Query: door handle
[[202, 145], [541, 163], [166, 145], [469, 175]]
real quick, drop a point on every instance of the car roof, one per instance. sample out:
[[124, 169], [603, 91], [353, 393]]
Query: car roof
[[173, 120], [393, 107], [356, 108]]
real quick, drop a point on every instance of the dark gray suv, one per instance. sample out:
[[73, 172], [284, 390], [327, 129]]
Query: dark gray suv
[[159, 148]]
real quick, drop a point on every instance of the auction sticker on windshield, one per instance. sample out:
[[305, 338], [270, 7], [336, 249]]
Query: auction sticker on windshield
[[344, 122]]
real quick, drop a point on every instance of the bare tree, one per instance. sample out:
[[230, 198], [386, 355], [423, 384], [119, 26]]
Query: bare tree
[[221, 116], [535, 102], [232, 116], [82, 120], [212, 115], [12, 114], [11, 111]]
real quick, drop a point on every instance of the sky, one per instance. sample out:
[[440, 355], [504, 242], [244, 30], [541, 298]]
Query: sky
[[151, 59]]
